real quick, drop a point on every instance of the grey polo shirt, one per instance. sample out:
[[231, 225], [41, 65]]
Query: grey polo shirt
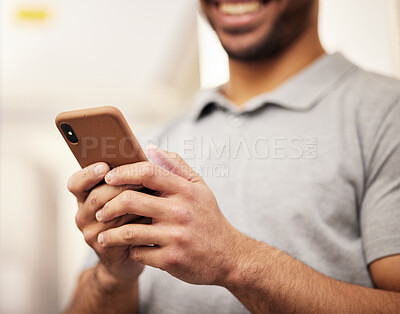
[[312, 168]]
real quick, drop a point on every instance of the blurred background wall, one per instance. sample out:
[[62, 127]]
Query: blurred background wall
[[146, 57]]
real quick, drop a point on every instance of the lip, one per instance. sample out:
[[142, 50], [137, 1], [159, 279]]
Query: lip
[[237, 22], [235, 1]]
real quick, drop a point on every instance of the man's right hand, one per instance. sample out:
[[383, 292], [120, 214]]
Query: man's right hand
[[115, 266]]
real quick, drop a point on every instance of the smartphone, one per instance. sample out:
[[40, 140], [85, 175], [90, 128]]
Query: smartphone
[[99, 135]]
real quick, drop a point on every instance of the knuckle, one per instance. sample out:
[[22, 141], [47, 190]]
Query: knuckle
[[79, 220], [173, 258], [149, 170], [187, 189], [135, 254], [126, 198], [75, 182], [181, 215], [93, 198], [71, 185], [128, 234], [89, 236], [180, 237]]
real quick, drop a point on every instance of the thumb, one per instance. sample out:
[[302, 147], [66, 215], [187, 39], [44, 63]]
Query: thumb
[[172, 162]]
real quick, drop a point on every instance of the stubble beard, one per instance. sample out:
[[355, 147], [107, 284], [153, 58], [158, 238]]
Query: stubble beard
[[288, 27]]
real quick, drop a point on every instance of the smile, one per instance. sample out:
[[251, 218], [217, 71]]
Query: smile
[[239, 7]]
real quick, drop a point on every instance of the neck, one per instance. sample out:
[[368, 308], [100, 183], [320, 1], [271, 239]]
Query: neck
[[248, 80]]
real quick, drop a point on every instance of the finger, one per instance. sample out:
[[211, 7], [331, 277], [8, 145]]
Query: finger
[[96, 200], [102, 194], [150, 175], [132, 234], [84, 180], [91, 232], [172, 162], [133, 202], [148, 255]]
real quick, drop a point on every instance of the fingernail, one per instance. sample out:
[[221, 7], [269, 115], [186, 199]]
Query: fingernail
[[99, 169], [109, 177], [98, 215], [100, 239]]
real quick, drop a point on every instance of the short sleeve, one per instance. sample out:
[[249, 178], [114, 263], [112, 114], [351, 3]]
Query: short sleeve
[[380, 208]]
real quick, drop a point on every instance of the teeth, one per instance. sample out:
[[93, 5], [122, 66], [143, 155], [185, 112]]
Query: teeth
[[239, 8]]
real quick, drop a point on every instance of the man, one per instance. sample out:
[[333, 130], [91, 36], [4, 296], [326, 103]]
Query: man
[[308, 213]]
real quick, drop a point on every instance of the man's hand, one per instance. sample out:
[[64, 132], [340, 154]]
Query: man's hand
[[189, 237], [115, 265]]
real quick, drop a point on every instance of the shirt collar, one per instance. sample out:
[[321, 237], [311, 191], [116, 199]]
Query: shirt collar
[[301, 92]]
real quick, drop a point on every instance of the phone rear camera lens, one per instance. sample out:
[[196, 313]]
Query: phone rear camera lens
[[69, 133]]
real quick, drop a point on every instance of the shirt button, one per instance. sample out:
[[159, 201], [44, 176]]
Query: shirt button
[[235, 121]]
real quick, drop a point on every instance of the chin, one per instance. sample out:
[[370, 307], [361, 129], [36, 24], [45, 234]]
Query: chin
[[250, 46], [242, 25], [253, 30]]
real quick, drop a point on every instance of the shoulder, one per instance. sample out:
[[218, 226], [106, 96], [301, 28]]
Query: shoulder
[[370, 100], [375, 103], [372, 92]]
